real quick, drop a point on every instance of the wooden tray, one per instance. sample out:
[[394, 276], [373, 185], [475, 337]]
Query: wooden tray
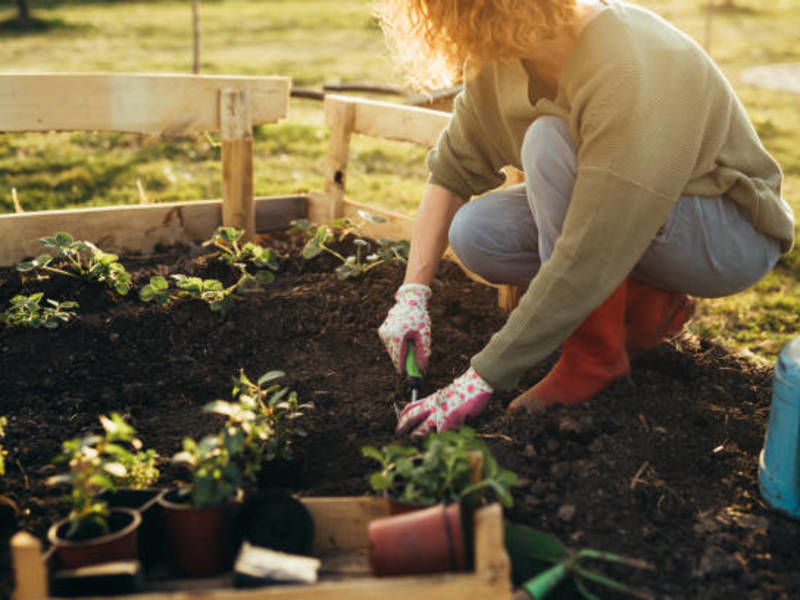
[[340, 540]]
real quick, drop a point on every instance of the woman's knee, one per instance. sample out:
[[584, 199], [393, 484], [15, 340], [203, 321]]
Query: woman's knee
[[548, 145], [462, 231]]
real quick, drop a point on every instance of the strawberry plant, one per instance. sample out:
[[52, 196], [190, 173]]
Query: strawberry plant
[[261, 421], [320, 237], [26, 311], [96, 463], [235, 254], [211, 291], [440, 471], [80, 259]]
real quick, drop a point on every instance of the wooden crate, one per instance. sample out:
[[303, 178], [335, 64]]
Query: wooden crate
[[340, 540]]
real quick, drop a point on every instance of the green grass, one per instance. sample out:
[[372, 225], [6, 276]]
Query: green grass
[[330, 41]]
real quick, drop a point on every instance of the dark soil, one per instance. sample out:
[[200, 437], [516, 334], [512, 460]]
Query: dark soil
[[661, 466]]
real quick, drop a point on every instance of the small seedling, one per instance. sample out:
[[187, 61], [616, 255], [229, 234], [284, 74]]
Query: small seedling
[[235, 254], [26, 311], [261, 421], [320, 237], [543, 562], [96, 464], [80, 259], [215, 476], [440, 472], [141, 469]]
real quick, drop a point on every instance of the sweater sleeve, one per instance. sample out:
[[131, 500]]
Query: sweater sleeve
[[637, 147], [464, 159]]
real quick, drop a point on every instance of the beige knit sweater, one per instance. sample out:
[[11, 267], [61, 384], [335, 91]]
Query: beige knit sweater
[[653, 118]]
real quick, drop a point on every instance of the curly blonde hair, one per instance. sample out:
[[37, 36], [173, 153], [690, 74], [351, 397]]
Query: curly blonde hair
[[432, 39]]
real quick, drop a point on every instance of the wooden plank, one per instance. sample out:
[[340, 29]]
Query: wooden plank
[[390, 121], [491, 559], [151, 104], [339, 115], [136, 227], [30, 574], [341, 523], [237, 161]]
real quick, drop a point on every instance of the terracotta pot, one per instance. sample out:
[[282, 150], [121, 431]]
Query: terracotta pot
[[429, 540], [400, 508], [199, 539], [120, 544]]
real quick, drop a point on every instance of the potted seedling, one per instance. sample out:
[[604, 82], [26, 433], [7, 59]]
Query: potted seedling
[[441, 471], [198, 517], [541, 564], [136, 491], [442, 477], [261, 426], [93, 532]]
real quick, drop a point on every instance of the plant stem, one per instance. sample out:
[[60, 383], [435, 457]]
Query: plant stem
[[60, 271]]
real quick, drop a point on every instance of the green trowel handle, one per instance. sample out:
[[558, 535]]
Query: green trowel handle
[[413, 375]]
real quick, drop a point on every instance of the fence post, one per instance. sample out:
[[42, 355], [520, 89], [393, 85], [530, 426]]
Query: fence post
[[238, 208], [340, 118]]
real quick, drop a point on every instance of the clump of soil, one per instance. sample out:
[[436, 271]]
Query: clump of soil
[[661, 466]]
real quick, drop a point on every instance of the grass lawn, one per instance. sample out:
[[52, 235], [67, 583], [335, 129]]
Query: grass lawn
[[326, 41]]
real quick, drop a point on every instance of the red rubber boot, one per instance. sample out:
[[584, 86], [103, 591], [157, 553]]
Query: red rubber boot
[[591, 358], [653, 314]]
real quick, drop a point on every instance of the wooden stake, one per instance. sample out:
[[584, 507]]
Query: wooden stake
[[29, 570], [237, 161], [195, 37], [340, 115], [143, 199], [15, 200]]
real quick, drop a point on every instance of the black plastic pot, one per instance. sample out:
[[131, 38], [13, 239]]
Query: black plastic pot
[[273, 519], [199, 540], [151, 531], [281, 473], [120, 544]]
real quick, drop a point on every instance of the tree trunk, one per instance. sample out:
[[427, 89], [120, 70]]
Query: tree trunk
[[24, 11]]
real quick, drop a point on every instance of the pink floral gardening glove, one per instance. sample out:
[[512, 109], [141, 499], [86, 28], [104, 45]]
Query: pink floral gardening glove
[[407, 320], [448, 408]]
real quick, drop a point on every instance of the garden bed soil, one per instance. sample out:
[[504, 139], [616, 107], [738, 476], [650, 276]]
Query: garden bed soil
[[661, 466]]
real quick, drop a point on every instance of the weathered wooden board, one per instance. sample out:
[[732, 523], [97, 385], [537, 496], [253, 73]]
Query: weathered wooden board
[[152, 104], [135, 227]]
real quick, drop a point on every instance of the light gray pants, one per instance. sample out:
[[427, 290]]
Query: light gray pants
[[707, 248]]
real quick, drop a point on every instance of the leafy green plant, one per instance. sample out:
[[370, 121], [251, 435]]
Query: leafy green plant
[[80, 259], [215, 476], [440, 471], [235, 254], [543, 563], [26, 311], [211, 291], [261, 421], [320, 237], [141, 469], [96, 464]]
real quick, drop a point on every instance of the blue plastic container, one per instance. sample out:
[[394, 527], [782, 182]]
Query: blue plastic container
[[779, 462]]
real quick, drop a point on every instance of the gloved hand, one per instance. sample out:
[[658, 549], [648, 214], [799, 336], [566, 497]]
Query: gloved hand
[[448, 408], [407, 320]]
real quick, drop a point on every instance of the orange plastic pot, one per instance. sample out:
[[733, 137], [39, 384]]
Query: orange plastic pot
[[430, 540], [120, 544], [199, 539]]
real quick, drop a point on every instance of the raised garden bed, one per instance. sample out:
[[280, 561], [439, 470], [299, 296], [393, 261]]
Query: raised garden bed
[[662, 466]]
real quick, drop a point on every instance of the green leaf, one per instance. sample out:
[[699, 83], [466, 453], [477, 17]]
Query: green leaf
[[380, 482], [270, 376], [372, 452], [531, 544], [63, 238]]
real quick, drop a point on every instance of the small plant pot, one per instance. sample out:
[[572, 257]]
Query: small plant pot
[[151, 536], [429, 540], [397, 507], [120, 544], [199, 539]]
